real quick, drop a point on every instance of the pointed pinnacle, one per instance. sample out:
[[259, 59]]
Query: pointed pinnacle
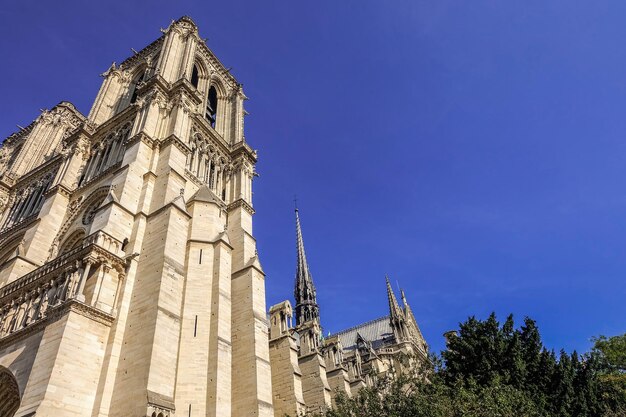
[[304, 281], [394, 308]]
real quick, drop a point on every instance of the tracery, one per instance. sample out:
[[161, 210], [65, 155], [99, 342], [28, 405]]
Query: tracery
[[208, 165], [105, 154], [28, 201]]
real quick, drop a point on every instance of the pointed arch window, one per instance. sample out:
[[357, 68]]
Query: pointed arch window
[[195, 76], [72, 242], [136, 85], [9, 392], [105, 154], [211, 106], [28, 201]]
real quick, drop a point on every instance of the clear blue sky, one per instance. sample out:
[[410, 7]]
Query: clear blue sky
[[474, 151]]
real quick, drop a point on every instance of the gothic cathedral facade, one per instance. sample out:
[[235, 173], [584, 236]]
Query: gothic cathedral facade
[[129, 278], [130, 284]]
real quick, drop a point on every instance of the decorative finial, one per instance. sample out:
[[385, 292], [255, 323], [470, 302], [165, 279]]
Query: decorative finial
[[295, 201]]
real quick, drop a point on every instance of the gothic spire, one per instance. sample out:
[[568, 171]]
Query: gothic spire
[[405, 304], [306, 302], [394, 308]]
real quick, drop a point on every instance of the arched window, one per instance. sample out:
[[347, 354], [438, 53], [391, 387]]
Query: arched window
[[72, 242], [28, 201], [136, 85], [9, 393], [105, 154], [211, 106], [195, 76]]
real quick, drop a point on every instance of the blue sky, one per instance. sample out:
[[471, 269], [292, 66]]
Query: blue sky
[[474, 151]]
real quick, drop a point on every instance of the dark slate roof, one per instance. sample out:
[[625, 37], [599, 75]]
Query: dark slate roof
[[378, 332]]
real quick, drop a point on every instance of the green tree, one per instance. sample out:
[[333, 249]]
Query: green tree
[[493, 370], [611, 358]]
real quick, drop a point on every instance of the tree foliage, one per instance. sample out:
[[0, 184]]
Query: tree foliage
[[611, 355], [497, 370]]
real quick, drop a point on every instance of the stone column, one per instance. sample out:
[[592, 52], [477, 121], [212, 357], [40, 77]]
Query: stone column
[[80, 296]]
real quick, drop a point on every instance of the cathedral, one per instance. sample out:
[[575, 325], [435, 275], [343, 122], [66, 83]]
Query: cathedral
[[309, 371], [130, 283]]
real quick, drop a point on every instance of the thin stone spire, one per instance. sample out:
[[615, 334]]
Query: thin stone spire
[[306, 301], [394, 307]]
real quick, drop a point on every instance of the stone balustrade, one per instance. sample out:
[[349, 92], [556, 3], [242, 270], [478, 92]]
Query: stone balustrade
[[29, 299], [106, 242]]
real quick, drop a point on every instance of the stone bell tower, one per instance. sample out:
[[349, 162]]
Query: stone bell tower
[[129, 278]]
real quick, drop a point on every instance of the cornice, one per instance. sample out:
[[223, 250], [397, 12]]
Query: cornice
[[24, 224], [21, 134], [39, 171], [191, 177], [100, 177], [141, 55], [141, 137], [126, 115], [54, 314], [201, 124], [14, 137], [217, 64], [90, 312], [59, 188], [31, 280], [183, 85], [86, 131], [7, 180], [156, 82], [242, 148], [241, 203], [174, 140], [219, 240]]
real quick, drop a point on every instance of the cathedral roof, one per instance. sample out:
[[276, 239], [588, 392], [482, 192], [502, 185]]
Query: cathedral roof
[[378, 332]]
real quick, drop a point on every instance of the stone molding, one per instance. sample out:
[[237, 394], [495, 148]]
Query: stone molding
[[174, 140], [89, 251], [39, 172], [139, 57], [54, 314], [141, 137], [240, 202], [25, 223]]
